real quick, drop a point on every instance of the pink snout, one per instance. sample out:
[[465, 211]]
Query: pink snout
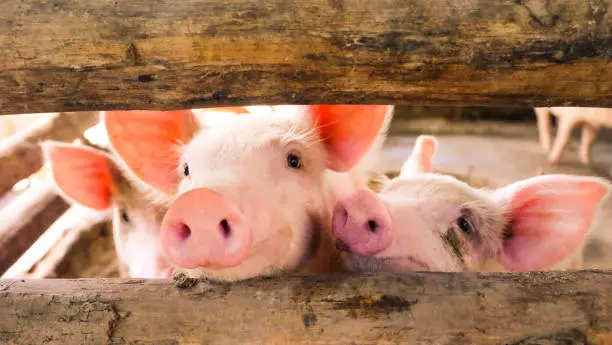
[[204, 229], [362, 223]]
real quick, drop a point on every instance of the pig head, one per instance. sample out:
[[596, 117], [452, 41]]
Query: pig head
[[421, 221], [93, 179], [252, 195]]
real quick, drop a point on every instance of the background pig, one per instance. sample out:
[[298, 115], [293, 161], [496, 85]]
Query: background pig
[[431, 222], [592, 120], [93, 179], [252, 195]]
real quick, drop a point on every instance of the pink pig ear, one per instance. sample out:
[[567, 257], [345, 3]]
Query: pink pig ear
[[82, 174], [348, 131], [421, 157], [549, 217], [147, 142]]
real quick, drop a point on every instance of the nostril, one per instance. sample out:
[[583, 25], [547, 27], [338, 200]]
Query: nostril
[[226, 229], [372, 225], [183, 231]]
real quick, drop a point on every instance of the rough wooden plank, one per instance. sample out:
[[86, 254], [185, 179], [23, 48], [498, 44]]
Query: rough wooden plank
[[21, 155], [430, 308], [68, 55], [25, 219]]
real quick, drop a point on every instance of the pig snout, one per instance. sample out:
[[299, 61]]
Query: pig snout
[[202, 228], [361, 224]]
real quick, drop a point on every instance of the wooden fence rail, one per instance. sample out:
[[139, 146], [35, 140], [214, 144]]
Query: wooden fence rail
[[419, 308], [67, 55]]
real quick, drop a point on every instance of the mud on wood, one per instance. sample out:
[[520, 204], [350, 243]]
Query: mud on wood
[[418, 308], [68, 55]]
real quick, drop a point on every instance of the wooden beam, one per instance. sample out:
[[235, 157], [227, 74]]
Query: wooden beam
[[68, 55], [419, 308], [25, 219], [21, 155]]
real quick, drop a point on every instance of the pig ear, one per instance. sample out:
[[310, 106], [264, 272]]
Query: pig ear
[[421, 158], [82, 174], [348, 131], [147, 141], [549, 217]]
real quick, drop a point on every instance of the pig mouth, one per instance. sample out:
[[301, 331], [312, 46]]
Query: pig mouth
[[258, 251], [371, 264]]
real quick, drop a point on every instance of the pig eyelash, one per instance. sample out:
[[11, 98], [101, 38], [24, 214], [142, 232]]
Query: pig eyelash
[[306, 137]]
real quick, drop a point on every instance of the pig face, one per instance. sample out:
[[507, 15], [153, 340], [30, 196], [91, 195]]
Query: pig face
[[93, 179], [422, 221], [247, 196]]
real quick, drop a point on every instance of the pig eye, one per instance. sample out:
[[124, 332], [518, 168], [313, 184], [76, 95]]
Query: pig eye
[[186, 170], [124, 216], [294, 161], [464, 225]]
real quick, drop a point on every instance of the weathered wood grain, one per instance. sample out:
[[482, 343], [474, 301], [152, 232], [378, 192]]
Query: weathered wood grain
[[430, 308], [21, 155], [25, 219], [68, 55]]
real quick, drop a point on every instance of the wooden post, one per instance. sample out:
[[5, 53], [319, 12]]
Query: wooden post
[[104, 54], [419, 308], [21, 155], [25, 219]]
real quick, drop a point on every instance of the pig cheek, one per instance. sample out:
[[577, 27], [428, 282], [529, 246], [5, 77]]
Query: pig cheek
[[184, 186], [419, 240], [303, 208], [119, 238], [295, 232]]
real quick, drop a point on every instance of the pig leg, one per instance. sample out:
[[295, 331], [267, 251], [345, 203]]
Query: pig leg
[[566, 124], [543, 117], [586, 140]]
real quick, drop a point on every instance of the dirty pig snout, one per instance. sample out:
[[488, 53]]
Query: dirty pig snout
[[203, 228], [361, 224]]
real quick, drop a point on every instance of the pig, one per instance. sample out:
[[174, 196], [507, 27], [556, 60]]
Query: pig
[[423, 221], [592, 120], [92, 178], [251, 196]]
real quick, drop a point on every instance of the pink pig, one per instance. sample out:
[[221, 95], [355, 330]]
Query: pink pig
[[592, 120], [421, 221], [252, 195], [93, 179]]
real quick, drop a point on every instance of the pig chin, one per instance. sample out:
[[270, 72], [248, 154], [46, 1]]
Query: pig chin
[[267, 258]]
